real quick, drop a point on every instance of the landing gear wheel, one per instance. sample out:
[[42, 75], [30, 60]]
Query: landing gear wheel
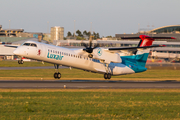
[[20, 61], [105, 75], [57, 75], [108, 76]]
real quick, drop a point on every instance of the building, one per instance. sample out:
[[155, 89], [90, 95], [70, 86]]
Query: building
[[165, 31], [18, 33], [47, 37], [10, 32], [57, 33], [37, 35]]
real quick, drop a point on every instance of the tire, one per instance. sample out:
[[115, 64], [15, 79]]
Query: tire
[[58, 75], [55, 75], [109, 76], [105, 75]]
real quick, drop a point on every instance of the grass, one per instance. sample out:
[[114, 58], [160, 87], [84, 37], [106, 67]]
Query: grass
[[90, 104], [75, 74], [153, 73], [14, 63]]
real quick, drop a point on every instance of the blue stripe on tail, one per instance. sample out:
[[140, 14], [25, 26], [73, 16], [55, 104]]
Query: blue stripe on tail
[[136, 62]]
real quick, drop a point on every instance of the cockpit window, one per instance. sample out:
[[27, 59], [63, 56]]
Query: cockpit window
[[27, 44], [34, 45], [30, 44]]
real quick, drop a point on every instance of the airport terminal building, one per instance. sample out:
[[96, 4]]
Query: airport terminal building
[[165, 31]]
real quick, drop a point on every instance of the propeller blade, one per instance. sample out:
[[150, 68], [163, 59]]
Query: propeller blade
[[97, 45], [84, 45], [90, 43]]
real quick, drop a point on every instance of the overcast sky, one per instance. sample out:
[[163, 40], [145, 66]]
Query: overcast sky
[[108, 17]]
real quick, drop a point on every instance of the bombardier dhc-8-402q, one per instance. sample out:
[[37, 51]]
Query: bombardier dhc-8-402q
[[107, 61]]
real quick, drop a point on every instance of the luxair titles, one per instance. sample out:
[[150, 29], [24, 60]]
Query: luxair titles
[[53, 56]]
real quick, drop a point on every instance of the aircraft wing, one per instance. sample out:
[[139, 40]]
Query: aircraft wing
[[130, 48], [13, 46]]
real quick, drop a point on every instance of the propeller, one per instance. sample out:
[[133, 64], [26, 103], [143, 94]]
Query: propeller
[[89, 49]]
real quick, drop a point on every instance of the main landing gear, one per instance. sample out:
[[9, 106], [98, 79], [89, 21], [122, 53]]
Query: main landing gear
[[107, 75], [20, 61], [57, 75]]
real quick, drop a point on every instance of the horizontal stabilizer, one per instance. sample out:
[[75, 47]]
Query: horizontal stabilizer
[[129, 48], [148, 37]]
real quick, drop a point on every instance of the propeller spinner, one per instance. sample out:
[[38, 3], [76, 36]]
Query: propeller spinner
[[90, 48]]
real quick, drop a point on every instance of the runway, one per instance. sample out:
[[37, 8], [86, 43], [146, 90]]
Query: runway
[[61, 67], [87, 84], [23, 68]]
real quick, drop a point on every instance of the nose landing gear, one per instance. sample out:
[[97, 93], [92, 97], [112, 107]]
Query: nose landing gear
[[57, 74]]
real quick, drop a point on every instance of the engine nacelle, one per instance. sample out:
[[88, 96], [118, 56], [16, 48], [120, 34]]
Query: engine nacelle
[[106, 56]]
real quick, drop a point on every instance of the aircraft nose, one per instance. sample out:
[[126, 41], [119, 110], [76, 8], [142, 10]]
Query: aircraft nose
[[16, 52]]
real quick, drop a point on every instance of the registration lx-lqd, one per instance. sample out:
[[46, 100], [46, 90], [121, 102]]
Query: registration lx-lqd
[[107, 61]]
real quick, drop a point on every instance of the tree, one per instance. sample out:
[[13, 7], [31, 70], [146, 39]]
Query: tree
[[79, 33], [97, 35], [69, 34], [85, 33], [88, 34], [94, 35], [108, 36]]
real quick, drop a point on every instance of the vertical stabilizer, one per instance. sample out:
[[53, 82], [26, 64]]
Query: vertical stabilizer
[[142, 55]]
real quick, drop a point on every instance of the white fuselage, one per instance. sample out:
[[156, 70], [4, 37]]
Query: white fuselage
[[69, 57]]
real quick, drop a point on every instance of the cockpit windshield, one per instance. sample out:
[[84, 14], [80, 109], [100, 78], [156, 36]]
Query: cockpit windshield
[[27, 44], [30, 44]]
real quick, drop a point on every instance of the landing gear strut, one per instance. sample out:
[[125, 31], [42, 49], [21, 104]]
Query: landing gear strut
[[107, 75], [57, 75]]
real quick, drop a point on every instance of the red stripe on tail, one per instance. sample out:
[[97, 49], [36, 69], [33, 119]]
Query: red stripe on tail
[[146, 40]]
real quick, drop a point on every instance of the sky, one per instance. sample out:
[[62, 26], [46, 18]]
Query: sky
[[106, 17]]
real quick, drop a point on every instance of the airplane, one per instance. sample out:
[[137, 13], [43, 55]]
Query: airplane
[[107, 61]]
